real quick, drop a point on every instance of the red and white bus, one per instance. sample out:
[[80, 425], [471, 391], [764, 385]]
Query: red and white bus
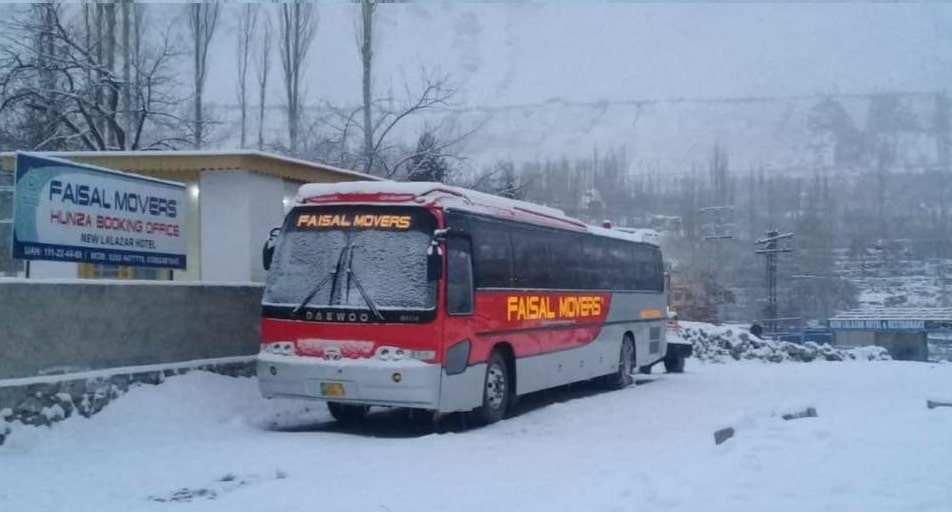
[[427, 296]]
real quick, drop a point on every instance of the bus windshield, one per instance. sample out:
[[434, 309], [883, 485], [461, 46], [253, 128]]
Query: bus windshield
[[353, 257]]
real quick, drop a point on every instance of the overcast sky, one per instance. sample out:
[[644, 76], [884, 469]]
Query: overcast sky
[[501, 54]]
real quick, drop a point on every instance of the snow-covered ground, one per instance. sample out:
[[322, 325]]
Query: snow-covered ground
[[207, 442]]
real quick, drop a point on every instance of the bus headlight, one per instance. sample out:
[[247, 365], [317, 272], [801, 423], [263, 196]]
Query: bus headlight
[[423, 355], [388, 353], [281, 348]]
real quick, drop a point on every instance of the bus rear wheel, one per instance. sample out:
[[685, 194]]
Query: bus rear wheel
[[622, 378], [497, 391], [347, 413]]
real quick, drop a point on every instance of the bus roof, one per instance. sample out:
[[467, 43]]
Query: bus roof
[[447, 196], [648, 236]]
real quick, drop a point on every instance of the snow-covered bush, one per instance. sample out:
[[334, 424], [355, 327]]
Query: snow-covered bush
[[720, 344]]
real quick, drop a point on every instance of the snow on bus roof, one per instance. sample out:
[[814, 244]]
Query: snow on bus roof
[[449, 196], [431, 193], [645, 235]]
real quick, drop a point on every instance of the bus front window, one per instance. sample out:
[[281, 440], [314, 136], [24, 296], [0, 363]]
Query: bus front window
[[355, 258]]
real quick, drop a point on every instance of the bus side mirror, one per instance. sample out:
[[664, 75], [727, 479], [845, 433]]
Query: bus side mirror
[[434, 262], [267, 252]]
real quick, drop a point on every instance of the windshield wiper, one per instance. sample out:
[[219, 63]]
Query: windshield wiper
[[363, 294], [330, 275]]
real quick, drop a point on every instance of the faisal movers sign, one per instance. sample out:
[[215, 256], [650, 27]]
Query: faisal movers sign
[[64, 211]]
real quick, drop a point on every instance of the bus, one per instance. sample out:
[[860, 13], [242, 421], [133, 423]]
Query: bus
[[427, 296]]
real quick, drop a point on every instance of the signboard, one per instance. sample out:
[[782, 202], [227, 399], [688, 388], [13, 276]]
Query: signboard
[[65, 211], [878, 325]]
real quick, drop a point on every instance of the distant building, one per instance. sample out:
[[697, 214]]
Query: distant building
[[234, 199], [904, 332], [689, 298]]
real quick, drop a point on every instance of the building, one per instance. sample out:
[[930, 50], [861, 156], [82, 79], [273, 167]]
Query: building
[[904, 332], [234, 199]]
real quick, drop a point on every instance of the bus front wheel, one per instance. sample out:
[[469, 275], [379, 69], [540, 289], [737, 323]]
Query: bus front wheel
[[496, 391], [347, 413]]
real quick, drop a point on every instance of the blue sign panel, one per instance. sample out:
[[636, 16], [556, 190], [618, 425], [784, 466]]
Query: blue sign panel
[[63, 211]]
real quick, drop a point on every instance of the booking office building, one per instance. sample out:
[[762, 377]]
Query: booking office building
[[213, 209]]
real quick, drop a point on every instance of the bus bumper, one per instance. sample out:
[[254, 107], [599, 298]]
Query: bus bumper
[[408, 383]]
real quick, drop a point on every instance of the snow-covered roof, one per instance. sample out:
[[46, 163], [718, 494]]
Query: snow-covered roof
[[649, 236], [447, 196], [244, 159], [926, 314], [431, 193]]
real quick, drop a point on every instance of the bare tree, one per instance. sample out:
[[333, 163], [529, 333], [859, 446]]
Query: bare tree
[[202, 20], [388, 156], [247, 25], [365, 44], [108, 44], [500, 179], [127, 20], [298, 25], [71, 85], [262, 69], [365, 41]]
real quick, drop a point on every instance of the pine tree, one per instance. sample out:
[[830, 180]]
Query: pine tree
[[427, 164]]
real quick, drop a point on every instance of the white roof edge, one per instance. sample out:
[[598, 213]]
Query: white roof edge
[[107, 170], [895, 314], [196, 152], [452, 196], [646, 235]]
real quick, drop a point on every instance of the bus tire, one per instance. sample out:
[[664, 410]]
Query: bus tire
[[622, 377], [347, 413], [497, 391], [674, 364]]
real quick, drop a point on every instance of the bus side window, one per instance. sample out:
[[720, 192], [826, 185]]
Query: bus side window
[[491, 252], [459, 276]]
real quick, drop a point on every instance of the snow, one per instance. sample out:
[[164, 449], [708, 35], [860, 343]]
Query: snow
[[210, 440], [723, 343], [65, 156], [447, 195]]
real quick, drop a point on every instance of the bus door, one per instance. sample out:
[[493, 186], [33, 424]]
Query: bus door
[[459, 301]]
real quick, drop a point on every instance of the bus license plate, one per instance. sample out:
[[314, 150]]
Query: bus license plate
[[332, 389]]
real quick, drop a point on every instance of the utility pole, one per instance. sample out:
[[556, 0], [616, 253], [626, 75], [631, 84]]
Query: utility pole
[[716, 226], [770, 248]]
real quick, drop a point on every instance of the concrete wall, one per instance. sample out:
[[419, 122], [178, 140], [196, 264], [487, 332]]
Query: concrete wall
[[846, 338], [50, 327], [238, 209], [193, 236], [906, 346]]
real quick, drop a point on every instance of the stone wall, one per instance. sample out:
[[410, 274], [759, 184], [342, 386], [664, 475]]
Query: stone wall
[[52, 400], [51, 328], [69, 348]]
